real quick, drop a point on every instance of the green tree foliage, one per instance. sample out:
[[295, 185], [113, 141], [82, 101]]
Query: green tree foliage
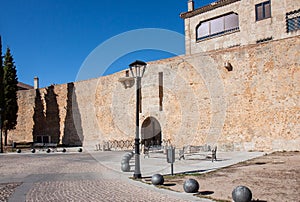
[[1, 94], [10, 82], [1, 77]]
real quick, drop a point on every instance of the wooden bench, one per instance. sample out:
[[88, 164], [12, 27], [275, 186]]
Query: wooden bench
[[20, 145], [181, 154], [188, 150], [152, 149]]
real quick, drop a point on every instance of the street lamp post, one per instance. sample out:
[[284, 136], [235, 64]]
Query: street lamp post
[[137, 70]]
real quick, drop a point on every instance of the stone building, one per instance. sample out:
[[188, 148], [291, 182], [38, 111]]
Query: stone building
[[236, 87]]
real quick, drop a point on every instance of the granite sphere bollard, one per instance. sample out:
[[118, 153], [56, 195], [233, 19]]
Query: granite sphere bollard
[[79, 150], [33, 150], [157, 179], [191, 186], [124, 161], [125, 167], [241, 194], [19, 151], [130, 154], [48, 150], [126, 157]]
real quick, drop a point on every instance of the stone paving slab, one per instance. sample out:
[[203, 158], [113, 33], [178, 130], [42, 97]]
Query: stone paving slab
[[76, 177], [157, 163], [6, 189]]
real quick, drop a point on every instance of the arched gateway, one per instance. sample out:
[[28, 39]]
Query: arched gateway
[[151, 132]]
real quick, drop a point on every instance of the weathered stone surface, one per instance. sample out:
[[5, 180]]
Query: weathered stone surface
[[249, 31], [6, 190], [125, 167], [191, 186], [157, 179], [241, 194], [253, 107]]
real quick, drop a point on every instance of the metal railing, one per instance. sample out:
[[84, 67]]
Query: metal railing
[[293, 21]]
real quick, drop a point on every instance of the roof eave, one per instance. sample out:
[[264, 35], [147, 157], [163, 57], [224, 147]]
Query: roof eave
[[207, 8]]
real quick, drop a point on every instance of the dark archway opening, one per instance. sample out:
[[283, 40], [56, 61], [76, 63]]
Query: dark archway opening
[[151, 132]]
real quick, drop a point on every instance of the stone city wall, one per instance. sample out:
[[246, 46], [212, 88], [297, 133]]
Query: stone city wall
[[253, 107]]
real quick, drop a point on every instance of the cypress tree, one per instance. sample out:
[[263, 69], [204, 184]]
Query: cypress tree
[[1, 94], [10, 82], [1, 77]]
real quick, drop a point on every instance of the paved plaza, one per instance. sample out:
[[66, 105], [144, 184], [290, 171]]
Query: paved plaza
[[95, 176]]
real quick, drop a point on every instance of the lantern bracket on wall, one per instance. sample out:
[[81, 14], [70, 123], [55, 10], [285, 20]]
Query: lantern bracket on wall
[[128, 82]]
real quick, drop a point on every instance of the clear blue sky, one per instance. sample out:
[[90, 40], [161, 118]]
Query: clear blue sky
[[52, 38]]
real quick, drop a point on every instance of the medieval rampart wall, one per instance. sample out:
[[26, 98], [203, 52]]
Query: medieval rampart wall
[[253, 107]]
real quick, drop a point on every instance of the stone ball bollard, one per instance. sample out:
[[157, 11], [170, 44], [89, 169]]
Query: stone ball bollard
[[191, 186], [33, 150], [18, 150], [48, 150], [64, 150], [157, 179], [79, 150], [126, 157], [241, 194], [124, 161], [125, 167], [130, 154]]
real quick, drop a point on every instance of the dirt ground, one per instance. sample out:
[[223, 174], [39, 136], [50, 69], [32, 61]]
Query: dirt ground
[[273, 177]]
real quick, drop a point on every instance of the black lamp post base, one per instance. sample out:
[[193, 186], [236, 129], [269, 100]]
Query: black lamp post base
[[137, 176]]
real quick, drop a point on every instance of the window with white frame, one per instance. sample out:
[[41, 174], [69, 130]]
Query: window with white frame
[[217, 26]]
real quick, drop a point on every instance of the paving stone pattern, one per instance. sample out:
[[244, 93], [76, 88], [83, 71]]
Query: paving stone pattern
[[92, 190], [6, 190], [70, 177]]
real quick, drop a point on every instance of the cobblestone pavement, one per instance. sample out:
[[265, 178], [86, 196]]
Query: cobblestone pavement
[[7, 189], [72, 177]]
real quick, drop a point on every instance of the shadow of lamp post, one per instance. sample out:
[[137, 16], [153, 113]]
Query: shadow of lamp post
[[137, 70]]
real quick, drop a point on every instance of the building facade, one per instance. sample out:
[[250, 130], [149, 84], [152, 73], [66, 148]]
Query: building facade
[[237, 87], [229, 23]]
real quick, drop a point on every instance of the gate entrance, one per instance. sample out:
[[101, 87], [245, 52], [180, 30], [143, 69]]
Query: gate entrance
[[151, 132]]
